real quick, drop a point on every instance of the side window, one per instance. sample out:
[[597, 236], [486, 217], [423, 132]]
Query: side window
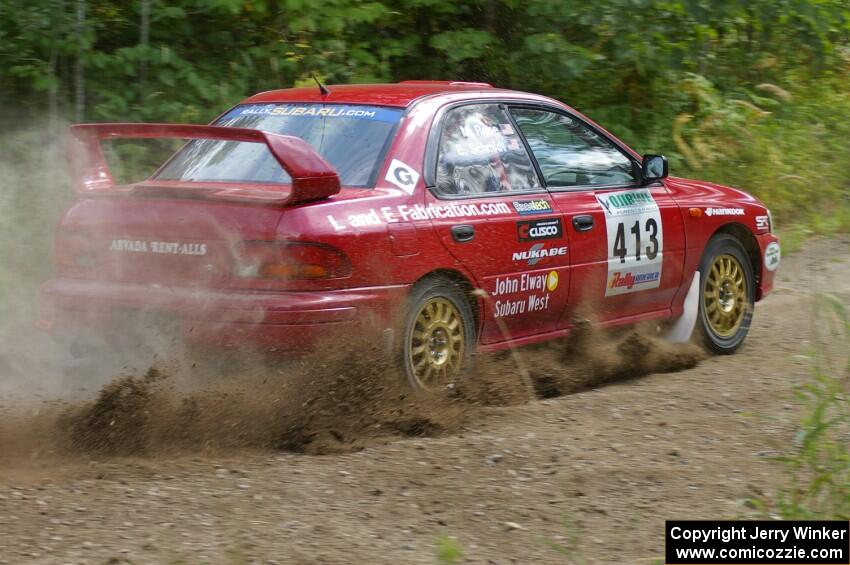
[[480, 152], [571, 154]]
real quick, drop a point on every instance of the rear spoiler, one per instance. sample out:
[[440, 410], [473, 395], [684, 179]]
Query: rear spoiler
[[312, 177]]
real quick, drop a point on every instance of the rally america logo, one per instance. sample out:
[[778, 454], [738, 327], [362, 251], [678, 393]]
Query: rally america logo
[[629, 280]]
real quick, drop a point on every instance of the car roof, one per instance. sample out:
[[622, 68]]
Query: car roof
[[399, 95]]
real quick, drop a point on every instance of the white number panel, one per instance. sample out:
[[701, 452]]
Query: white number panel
[[635, 241]]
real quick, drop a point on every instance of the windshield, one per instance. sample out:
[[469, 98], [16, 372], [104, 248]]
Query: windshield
[[351, 138]]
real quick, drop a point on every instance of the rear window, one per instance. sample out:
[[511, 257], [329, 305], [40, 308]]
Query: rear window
[[353, 139]]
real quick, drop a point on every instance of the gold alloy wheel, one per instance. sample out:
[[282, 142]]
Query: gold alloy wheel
[[725, 295], [436, 344]]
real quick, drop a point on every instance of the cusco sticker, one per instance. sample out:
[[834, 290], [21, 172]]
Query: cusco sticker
[[635, 241], [772, 256]]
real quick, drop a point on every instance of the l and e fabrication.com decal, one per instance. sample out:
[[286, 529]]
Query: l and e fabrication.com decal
[[523, 293], [417, 212], [635, 241]]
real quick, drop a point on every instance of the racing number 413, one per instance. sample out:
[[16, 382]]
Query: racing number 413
[[650, 227]]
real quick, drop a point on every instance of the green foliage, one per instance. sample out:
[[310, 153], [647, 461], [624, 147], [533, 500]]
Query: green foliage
[[747, 93], [448, 551]]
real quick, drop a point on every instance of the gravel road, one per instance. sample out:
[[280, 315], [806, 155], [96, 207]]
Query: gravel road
[[596, 471]]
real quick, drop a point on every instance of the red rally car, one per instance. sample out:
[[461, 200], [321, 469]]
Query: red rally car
[[436, 217]]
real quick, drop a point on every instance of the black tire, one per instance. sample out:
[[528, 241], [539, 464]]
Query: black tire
[[717, 341], [434, 291]]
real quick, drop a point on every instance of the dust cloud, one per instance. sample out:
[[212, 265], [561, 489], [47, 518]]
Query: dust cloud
[[154, 397], [337, 400]]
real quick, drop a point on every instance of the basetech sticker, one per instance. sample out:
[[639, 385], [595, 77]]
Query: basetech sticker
[[635, 241], [530, 207]]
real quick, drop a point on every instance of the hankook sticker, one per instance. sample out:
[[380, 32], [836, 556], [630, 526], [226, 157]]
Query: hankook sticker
[[724, 212]]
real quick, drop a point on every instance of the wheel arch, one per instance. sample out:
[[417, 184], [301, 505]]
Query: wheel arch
[[460, 279], [746, 237]]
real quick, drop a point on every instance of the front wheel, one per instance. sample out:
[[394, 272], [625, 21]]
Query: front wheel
[[727, 294], [439, 335]]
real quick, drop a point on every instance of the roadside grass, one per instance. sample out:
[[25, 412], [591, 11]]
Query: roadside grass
[[570, 549], [449, 551], [817, 462]]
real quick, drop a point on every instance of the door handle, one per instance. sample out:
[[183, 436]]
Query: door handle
[[583, 223], [463, 233]]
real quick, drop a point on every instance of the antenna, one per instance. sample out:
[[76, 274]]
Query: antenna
[[322, 88]]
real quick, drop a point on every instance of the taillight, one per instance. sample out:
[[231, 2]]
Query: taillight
[[74, 252], [290, 261]]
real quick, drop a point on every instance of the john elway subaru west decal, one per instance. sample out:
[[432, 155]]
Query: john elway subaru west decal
[[635, 240]]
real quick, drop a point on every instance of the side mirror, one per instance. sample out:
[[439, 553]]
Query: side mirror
[[654, 167]]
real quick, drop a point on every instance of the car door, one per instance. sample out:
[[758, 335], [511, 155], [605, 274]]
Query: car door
[[494, 217], [626, 240]]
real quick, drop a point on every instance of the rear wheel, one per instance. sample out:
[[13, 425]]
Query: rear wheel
[[727, 295], [439, 335]]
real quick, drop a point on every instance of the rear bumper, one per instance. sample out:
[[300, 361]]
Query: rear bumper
[[768, 244], [266, 320]]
